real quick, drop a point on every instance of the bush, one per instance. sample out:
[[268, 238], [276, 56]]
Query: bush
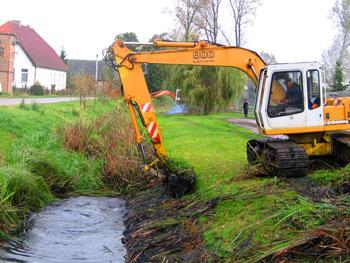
[[36, 89], [22, 105], [35, 106], [53, 88]]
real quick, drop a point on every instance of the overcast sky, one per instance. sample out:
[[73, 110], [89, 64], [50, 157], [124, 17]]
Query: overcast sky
[[293, 30]]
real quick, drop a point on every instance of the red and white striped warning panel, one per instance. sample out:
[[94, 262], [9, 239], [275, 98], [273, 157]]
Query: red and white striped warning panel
[[163, 92], [147, 107], [152, 129]]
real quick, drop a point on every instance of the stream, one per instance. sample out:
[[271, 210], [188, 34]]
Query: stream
[[79, 229]]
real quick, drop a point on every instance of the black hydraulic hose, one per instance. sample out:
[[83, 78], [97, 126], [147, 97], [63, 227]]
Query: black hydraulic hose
[[136, 106], [142, 151]]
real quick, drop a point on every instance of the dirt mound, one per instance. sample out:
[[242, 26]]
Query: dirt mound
[[160, 228]]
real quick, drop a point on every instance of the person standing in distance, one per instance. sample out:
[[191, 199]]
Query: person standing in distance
[[245, 108]]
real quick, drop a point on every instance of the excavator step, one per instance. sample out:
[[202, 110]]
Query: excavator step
[[279, 157]]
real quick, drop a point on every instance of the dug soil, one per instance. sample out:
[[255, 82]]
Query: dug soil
[[160, 228]]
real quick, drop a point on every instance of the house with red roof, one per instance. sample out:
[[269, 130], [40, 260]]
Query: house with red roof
[[26, 58]]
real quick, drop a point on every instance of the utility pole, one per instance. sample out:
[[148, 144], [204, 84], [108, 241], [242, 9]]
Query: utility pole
[[96, 78]]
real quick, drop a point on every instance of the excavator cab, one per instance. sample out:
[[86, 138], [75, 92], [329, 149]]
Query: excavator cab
[[289, 98]]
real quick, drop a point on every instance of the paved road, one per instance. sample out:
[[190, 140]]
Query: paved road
[[245, 123], [16, 101], [250, 124]]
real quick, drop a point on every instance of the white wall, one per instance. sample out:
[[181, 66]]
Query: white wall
[[46, 77], [22, 62]]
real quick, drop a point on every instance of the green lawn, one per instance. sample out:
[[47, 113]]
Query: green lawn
[[261, 214], [214, 147]]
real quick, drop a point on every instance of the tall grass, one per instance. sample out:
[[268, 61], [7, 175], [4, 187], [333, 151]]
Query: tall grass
[[20, 192], [44, 165], [109, 138], [8, 214], [25, 190]]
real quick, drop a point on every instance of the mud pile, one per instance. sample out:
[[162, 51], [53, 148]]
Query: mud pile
[[160, 228]]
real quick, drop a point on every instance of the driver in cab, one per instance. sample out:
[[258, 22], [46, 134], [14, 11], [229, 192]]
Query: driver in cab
[[294, 97]]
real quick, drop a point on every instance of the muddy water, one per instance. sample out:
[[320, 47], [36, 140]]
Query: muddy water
[[82, 229]]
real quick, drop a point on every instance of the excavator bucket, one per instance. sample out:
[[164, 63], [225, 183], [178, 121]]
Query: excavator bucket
[[180, 183]]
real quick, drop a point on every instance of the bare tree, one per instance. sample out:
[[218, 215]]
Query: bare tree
[[340, 14], [243, 11], [186, 12], [269, 58], [84, 85], [208, 19]]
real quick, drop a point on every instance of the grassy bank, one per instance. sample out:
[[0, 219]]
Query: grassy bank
[[256, 216], [48, 151], [35, 167]]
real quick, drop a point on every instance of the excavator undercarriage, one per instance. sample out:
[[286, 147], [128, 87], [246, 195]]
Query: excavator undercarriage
[[287, 158], [279, 157]]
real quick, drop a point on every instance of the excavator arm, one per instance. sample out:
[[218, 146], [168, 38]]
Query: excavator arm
[[201, 53]]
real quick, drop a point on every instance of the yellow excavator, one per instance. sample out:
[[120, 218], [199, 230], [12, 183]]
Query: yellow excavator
[[291, 100]]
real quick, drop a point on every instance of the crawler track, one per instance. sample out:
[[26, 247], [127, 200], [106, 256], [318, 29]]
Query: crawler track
[[278, 157]]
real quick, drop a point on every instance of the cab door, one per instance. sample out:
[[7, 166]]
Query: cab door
[[314, 116]]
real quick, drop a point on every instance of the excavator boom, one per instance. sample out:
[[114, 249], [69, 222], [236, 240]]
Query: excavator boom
[[201, 53]]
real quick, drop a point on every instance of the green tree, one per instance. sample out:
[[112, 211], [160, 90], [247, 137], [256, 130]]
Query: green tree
[[208, 89], [204, 89], [156, 76], [338, 77], [111, 77], [128, 37], [63, 56]]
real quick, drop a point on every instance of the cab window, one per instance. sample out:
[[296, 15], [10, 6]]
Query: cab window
[[286, 94], [313, 89]]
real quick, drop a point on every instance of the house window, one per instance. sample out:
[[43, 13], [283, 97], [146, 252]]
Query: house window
[[24, 75]]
